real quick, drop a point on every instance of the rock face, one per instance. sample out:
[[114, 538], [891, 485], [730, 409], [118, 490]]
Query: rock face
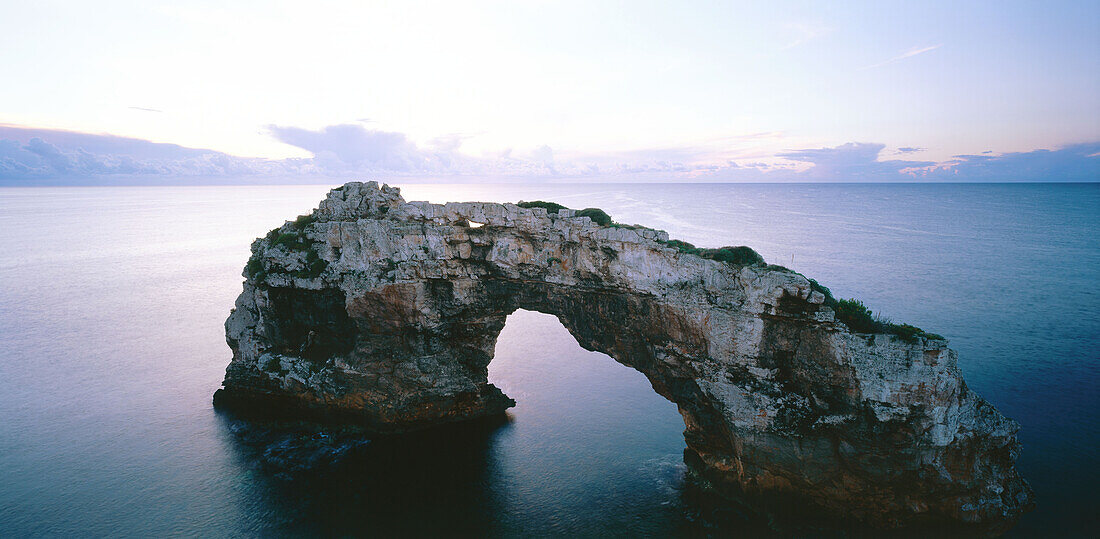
[[386, 312]]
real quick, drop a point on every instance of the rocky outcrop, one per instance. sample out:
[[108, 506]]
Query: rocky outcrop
[[386, 312]]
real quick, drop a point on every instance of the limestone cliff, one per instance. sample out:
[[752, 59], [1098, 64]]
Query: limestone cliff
[[386, 312]]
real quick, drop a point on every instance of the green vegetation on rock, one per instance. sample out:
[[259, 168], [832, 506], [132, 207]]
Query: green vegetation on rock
[[304, 220], [293, 241], [551, 207], [830, 301], [682, 246], [597, 216], [273, 365], [628, 227], [738, 256], [854, 314], [314, 266], [254, 269]]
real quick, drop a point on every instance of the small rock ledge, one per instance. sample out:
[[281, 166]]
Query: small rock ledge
[[386, 312]]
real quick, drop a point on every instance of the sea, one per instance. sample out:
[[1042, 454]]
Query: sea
[[112, 303]]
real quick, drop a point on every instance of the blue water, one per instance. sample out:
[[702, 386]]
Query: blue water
[[111, 345]]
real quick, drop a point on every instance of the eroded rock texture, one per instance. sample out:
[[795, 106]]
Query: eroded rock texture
[[386, 312]]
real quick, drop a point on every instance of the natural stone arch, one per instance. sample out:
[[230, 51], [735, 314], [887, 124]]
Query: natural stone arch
[[386, 313]]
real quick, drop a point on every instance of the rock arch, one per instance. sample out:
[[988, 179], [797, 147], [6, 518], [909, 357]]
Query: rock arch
[[386, 312]]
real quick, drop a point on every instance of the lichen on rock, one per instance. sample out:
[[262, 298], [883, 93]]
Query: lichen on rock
[[386, 312]]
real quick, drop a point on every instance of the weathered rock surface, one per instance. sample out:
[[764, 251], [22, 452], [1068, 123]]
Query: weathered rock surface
[[386, 312]]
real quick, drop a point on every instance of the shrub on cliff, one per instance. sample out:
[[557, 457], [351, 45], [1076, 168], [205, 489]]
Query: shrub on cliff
[[830, 301], [273, 365], [910, 333], [629, 227], [304, 220], [551, 207], [784, 269], [255, 268], [857, 316], [292, 241], [682, 246], [314, 266], [740, 255], [597, 216], [854, 314]]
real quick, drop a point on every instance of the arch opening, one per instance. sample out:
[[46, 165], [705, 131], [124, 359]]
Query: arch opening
[[556, 381], [585, 427]]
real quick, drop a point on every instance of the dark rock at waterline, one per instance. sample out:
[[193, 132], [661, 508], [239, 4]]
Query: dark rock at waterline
[[291, 451]]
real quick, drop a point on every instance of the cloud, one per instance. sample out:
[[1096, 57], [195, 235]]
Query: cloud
[[346, 147], [146, 109], [859, 162], [29, 154], [907, 54], [854, 161], [1072, 163], [354, 151]]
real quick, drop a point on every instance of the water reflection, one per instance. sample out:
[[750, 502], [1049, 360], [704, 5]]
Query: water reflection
[[337, 481]]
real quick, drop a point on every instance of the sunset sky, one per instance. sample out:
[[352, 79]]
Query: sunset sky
[[679, 91]]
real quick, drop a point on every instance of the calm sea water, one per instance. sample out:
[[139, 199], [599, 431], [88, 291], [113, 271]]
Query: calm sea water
[[111, 345]]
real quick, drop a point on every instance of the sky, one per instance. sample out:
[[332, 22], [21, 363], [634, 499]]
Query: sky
[[536, 90]]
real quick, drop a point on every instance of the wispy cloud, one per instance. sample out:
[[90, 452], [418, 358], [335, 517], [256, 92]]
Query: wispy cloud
[[804, 32], [146, 109], [907, 54]]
